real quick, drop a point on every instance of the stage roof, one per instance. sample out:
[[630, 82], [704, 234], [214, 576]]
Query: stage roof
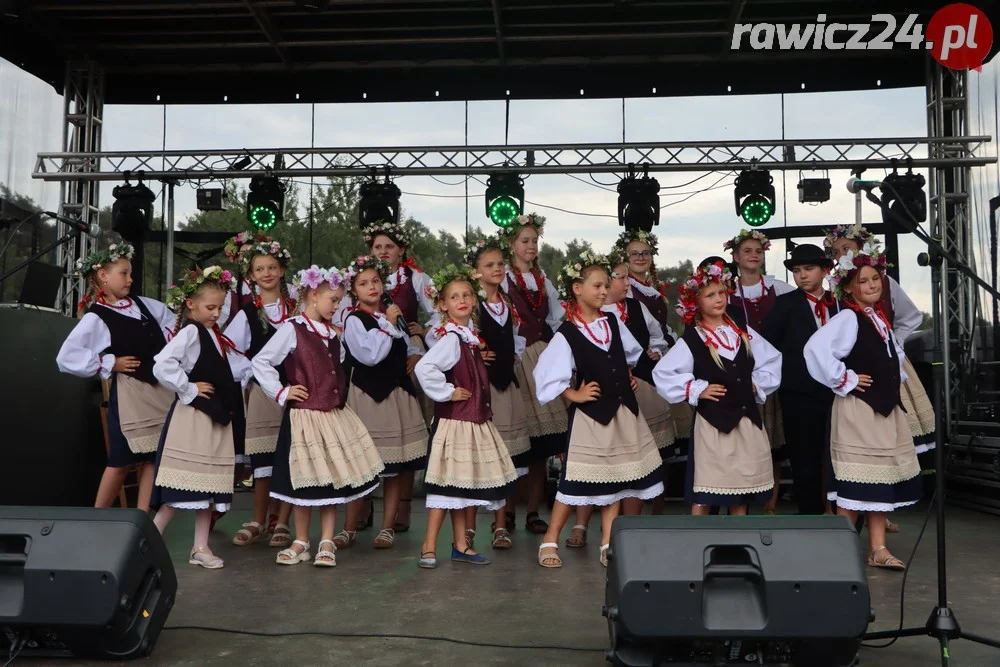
[[246, 51]]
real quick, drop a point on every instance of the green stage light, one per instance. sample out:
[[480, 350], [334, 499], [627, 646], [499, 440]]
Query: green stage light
[[263, 218], [754, 196], [504, 211], [265, 202], [504, 198], [756, 211]]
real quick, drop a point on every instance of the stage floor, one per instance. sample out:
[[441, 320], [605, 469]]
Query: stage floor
[[513, 601]]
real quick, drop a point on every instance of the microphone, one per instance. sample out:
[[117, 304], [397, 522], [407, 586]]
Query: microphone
[[400, 321], [856, 185], [91, 230]]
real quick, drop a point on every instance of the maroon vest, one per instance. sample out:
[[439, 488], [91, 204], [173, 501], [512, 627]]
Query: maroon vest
[[533, 325], [657, 306], [469, 373], [756, 310], [406, 297], [315, 364]]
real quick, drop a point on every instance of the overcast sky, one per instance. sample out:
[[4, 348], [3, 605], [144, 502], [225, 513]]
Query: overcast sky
[[30, 121]]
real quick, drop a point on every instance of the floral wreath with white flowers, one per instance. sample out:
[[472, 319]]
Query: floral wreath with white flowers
[[473, 251], [855, 232], [845, 267], [233, 245], [450, 274], [395, 231], [572, 271], [192, 280], [313, 277], [95, 260], [630, 235], [272, 248], [363, 263], [506, 236], [687, 300], [747, 234]]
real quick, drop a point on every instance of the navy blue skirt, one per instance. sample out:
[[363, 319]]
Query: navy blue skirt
[[676, 452], [717, 499], [542, 448], [167, 496], [870, 497], [119, 454]]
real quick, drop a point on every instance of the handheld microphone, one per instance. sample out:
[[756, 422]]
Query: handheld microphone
[[400, 321], [856, 185], [91, 230]]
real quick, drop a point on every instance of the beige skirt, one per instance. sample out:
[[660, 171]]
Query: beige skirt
[[466, 455], [263, 421], [396, 425], [734, 463], [658, 414], [919, 411], [683, 415], [198, 454], [621, 451], [542, 419], [510, 419], [142, 409], [331, 449], [770, 412], [867, 448]]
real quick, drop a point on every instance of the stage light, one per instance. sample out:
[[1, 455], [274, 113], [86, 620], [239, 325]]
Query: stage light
[[638, 201], [754, 196], [266, 202], [132, 212], [379, 202], [903, 194], [814, 190], [504, 198]]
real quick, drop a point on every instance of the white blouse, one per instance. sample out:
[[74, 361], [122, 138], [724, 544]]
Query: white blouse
[[556, 365], [520, 342], [555, 316], [370, 347], [173, 363], [238, 330], [440, 359], [754, 292], [828, 347], [906, 317], [674, 376], [657, 342], [80, 353], [275, 351], [246, 289]]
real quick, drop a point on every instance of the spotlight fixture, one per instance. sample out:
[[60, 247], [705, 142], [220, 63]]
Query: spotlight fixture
[[266, 202], [504, 198], [638, 201], [754, 196], [379, 201], [903, 194], [814, 190], [132, 212]]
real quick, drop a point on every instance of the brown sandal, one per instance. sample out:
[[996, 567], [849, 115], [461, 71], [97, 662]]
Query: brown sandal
[[888, 562], [535, 524], [577, 537]]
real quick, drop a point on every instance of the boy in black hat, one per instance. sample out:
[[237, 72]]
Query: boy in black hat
[[805, 403]]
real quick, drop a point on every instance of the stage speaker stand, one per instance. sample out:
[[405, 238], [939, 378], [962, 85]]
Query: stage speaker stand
[[688, 591], [85, 583]]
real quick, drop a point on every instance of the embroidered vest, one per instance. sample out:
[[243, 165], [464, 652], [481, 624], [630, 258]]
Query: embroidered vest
[[499, 340], [736, 376], [406, 298], [869, 357], [315, 364], [533, 326], [380, 380], [609, 369], [469, 373], [130, 337], [213, 368]]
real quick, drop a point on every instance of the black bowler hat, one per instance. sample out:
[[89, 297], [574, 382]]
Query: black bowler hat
[[807, 253]]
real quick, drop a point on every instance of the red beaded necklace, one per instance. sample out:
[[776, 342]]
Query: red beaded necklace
[[590, 333], [103, 301], [400, 279], [310, 327], [282, 303], [534, 301], [499, 313]]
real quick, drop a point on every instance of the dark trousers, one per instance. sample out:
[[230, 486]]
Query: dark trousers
[[805, 418]]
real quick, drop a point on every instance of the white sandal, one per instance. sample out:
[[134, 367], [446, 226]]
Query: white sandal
[[542, 558], [325, 557], [293, 557], [244, 536], [604, 554], [203, 557], [385, 538], [281, 539]]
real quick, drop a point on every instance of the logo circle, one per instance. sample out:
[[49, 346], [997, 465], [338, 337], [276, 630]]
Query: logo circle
[[959, 36]]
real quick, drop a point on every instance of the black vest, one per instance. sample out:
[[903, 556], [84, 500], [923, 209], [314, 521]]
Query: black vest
[[736, 376], [637, 327], [213, 368], [140, 338], [500, 341], [380, 380], [260, 333], [868, 357], [609, 369]]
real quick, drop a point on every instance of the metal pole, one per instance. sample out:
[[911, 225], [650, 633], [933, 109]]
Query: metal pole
[[170, 232]]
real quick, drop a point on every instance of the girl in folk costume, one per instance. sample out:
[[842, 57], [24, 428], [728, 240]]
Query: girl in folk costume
[[381, 392], [324, 457], [117, 337], [724, 372], [612, 455], [264, 264], [196, 453], [468, 464], [536, 304], [756, 293], [874, 464], [244, 292]]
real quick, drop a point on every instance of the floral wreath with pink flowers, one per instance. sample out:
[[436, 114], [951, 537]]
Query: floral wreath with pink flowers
[[272, 248], [506, 236], [855, 232], [395, 231], [473, 251], [572, 271], [845, 268], [733, 244], [193, 279], [313, 277], [687, 300], [362, 263], [234, 245]]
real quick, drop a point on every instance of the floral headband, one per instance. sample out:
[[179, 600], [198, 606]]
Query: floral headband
[[313, 277], [846, 267], [192, 280], [473, 251], [507, 236], [855, 232], [573, 270], [395, 231], [687, 299], [747, 234], [450, 274], [272, 248], [362, 263], [232, 247], [95, 260], [630, 235]]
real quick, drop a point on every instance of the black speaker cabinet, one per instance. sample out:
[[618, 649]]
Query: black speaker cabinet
[[92, 583], [719, 590]]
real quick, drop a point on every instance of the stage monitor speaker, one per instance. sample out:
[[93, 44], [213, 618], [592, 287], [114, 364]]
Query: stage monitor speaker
[[86, 583], [719, 590]]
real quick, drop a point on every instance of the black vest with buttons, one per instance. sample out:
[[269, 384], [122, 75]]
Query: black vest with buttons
[[130, 337], [608, 369], [870, 357], [500, 341], [637, 327], [736, 376], [213, 368], [380, 380]]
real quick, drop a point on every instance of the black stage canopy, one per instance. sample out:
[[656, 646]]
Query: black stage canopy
[[260, 51]]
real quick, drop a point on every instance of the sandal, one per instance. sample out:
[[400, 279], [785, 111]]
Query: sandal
[[385, 538], [604, 554], [501, 539], [470, 537], [891, 527], [511, 520], [281, 536], [293, 557], [549, 560], [248, 534], [345, 539], [577, 537], [365, 524], [325, 557], [399, 526], [428, 563], [888, 562], [203, 557], [535, 524]]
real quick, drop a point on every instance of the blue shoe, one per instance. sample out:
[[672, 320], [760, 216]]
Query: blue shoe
[[428, 563], [473, 559]]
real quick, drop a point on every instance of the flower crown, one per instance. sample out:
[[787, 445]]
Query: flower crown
[[630, 235], [363, 262], [573, 270], [313, 277], [747, 234], [395, 231], [855, 232], [473, 251], [506, 236], [232, 247], [95, 260], [192, 280], [272, 248], [687, 292], [450, 274], [845, 267]]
